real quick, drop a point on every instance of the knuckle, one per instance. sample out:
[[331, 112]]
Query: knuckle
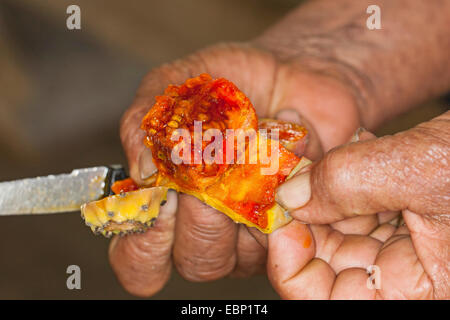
[[141, 267], [205, 231], [203, 223], [143, 250], [199, 268], [204, 262], [205, 245], [332, 179]]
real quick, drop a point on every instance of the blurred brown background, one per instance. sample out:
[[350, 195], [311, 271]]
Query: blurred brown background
[[62, 93]]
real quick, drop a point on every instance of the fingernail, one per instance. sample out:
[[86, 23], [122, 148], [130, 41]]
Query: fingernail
[[146, 165], [172, 202], [113, 243], [296, 192], [356, 135], [289, 115]]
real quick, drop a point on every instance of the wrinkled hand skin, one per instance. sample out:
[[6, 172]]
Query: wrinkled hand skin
[[202, 243], [408, 173]]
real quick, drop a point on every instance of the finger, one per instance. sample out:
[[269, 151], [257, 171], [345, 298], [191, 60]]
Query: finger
[[351, 284], [139, 157], [260, 237], [383, 232], [361, 225], [290, 249], [307, 278], [251, 255], [402, 276], [142, 262], [386, 174], [387, 216], [344, 251], [361, 134], [327, 241], [132, 137], [292, 268], [348, 256], [431, 242], [357, 225], [313, 282], [355, 251], [398, 233], [205, 243]]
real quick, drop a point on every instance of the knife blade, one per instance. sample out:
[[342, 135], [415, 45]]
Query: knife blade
[[58, 193]]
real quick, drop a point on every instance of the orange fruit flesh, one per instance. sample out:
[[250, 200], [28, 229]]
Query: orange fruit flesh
[[216, 104], [249, 192], [239, 190], [123, 186]]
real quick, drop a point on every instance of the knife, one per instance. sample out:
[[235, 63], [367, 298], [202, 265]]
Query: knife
[[58, 193]]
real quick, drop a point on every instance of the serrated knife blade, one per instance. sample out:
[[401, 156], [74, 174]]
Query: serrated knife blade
[[57, 193]]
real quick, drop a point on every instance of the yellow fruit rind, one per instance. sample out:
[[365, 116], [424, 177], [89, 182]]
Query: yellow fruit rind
[[130, 212]]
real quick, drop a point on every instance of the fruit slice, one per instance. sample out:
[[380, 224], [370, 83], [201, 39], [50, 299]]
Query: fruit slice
[[200, 103], [240, 190]]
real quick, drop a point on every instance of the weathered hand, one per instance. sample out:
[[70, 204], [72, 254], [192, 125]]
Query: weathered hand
[[323, 63], [341, 194], [203, 243]]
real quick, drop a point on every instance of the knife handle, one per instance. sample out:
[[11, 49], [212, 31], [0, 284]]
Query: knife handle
[[116, 172]]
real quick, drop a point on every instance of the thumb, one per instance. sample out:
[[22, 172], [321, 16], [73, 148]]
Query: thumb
[[404, 171], [139, 157]]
